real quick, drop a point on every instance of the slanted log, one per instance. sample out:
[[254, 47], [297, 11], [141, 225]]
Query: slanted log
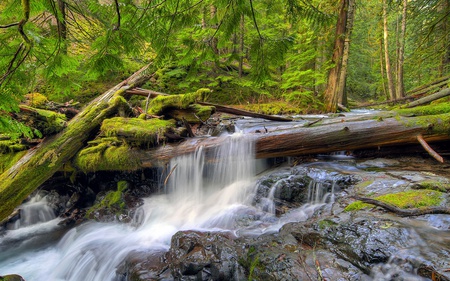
[[40, 163], [443, 93]]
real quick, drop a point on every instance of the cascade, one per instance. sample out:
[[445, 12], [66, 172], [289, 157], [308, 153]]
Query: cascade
[[201, 193]]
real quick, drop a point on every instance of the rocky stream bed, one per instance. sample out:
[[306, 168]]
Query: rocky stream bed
[[298, 225]]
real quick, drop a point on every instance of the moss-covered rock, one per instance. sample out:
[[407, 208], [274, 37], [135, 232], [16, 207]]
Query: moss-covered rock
[[106, 155], [137, 131], [110, 205], [433, 185], [404, 200]]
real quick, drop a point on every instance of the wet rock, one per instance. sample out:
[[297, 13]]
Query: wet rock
[[195, 255], [12, 277], [379, 246], [147, 266]]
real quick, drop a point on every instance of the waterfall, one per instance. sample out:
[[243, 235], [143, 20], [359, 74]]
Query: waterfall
[[204, 191]]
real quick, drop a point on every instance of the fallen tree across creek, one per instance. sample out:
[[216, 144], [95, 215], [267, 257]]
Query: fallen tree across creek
[[290, 139]]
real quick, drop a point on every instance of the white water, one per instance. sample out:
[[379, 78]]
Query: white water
[[200, 194]]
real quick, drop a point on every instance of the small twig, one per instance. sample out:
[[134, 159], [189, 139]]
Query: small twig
[[430, 151], [188, 127], [170, 173], [309, 124]]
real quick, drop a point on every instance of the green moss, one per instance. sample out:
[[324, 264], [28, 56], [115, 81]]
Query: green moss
[[47, 121], [106, 156], [8, 146], [113, 200], [431, 109], [326, 223], [137, 131], [434, 185], [404, 200], [9, 159], [182, 101], [36, 100], [274, 108]]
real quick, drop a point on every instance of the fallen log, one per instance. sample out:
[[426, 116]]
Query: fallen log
[[443, 93], [343, 136], [220, 108], [43, 161]]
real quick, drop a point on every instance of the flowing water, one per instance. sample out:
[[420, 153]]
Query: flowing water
[[200, 193]]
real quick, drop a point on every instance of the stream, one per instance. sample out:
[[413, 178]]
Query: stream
[[239, 218]]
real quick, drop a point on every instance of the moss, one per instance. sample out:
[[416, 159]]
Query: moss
[[48, 122], [434, 185], [404, 200], [274, 108], [36, 100], [113, 200], [137, 131], [106, 156], [326, 223], [8, 146], [9, 159], [431, 109], [182, 101]]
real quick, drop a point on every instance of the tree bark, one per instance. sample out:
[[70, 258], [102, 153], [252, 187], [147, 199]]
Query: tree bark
[[443, 93], [342, 97], [332, 90], [339, 136], [400, 91], [40, 163], [389, 75]]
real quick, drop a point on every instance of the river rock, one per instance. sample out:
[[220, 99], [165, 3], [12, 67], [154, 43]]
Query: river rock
[[12, 277], [196, 255]]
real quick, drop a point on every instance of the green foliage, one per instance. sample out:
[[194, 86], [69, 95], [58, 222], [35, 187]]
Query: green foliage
[[407, 199]]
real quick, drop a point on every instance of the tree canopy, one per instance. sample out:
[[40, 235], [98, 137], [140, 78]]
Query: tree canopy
[[245, 50]]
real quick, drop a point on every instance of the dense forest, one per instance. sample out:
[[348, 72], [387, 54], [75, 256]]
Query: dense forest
[[302, 56]]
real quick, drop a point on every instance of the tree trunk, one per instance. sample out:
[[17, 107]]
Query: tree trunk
[[241, 46], [400, 91], [389, 75], [332, 90], [342, 97], [445, 92], [39, 164]]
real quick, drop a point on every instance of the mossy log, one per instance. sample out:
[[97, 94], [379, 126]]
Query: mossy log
[[40, 163], [352, 135]]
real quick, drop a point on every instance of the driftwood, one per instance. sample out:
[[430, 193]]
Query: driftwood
[[405, 212], [43, 161]]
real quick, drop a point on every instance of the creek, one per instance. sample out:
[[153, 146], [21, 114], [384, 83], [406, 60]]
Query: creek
[[271, 220]]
